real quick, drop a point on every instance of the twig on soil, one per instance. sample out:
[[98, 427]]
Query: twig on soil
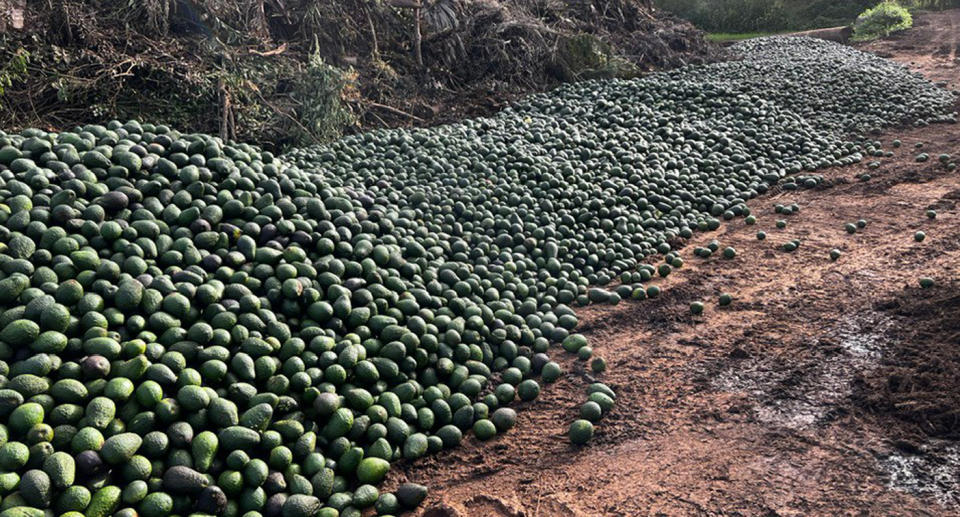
[[279, 50], [378, 117], [391, 109]]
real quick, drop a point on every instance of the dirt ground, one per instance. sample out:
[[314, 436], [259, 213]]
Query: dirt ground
[[826, 388]]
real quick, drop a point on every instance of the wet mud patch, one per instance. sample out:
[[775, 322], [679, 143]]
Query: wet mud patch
[[915, 391], [812, 388], [929, 471]]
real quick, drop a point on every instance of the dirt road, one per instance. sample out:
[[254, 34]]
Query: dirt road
[[826, 388], [931, 47]]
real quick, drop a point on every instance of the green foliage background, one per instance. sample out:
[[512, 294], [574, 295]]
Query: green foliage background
[[734, 16]]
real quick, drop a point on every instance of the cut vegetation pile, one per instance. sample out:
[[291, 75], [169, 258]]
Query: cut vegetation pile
[[299, 72], [193, 326]]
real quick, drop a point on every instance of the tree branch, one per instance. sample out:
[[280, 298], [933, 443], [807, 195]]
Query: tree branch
[[405, 4]]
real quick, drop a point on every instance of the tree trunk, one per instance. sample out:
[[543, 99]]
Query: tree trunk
[[417, 37], [374, 45], [225, 113]]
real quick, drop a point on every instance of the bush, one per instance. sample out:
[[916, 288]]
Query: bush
[[885, 18]]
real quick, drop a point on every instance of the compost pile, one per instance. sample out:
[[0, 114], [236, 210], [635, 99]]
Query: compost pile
[[189, 326], [299, 72]]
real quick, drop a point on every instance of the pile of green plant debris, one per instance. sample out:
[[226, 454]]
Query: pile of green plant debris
[[302, 72]]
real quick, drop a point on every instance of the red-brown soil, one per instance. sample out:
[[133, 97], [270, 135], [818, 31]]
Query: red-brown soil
[[826, 388]]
